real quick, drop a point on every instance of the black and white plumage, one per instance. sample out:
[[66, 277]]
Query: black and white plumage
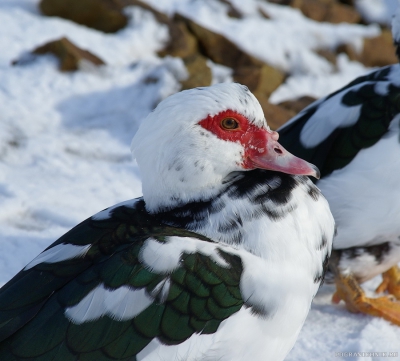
[[218, 261], [353, 136]]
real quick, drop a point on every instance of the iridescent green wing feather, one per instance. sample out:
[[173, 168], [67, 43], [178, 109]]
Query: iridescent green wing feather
[[195, 297]]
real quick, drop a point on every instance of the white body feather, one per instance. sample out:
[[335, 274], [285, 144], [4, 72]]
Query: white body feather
[[281, 258], [365, 201], [368, 179], [280, 262]]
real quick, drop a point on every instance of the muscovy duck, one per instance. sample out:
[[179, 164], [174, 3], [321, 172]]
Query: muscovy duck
[[219, 260]]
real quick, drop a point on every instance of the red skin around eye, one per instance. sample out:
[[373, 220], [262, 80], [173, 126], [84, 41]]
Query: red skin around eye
[[253, 138], [260, 145], [213, 124]]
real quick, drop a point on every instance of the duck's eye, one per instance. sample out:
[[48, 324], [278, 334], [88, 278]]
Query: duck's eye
[[229, 123]]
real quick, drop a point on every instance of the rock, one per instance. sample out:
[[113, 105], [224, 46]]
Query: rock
[[69, 54], [104, 15], [182, 43], [262, 80], [159, 16], [280, 2], [298, 104], [218, 48], [275, 115], [341, 13], [263, 13], [328, 55], [324, 10], [348, 2], [313, 9], [349, 51], [377, 51], [233, 12], [199, 72]]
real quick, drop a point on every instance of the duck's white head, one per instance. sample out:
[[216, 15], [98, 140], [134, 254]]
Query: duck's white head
[[188, 145]]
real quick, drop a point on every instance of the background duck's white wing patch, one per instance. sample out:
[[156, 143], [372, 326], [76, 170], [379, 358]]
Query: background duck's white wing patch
[[58, 253], [334, 114]]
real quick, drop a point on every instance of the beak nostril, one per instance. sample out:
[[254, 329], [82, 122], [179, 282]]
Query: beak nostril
[[277, 150]]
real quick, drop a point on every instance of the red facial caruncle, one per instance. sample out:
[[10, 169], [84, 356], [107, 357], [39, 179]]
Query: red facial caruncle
[[261, 147]]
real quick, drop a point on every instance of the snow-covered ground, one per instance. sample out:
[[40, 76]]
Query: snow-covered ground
[[64, 137]]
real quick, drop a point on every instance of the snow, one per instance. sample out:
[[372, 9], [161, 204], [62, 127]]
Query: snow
[[379, 11], [64, 137], [290, 48]]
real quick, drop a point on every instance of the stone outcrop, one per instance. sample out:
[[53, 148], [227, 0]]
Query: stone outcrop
[[377, 51], [182, 42], [104, 15], [275, 114], [324, 10], [279, 114], [296, 105], [217, 47], [195, 44], [198, 70], [262, 80], [70, 55], [232, 11]]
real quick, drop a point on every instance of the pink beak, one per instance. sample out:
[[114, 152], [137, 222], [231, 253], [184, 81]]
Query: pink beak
[[263, 151]]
